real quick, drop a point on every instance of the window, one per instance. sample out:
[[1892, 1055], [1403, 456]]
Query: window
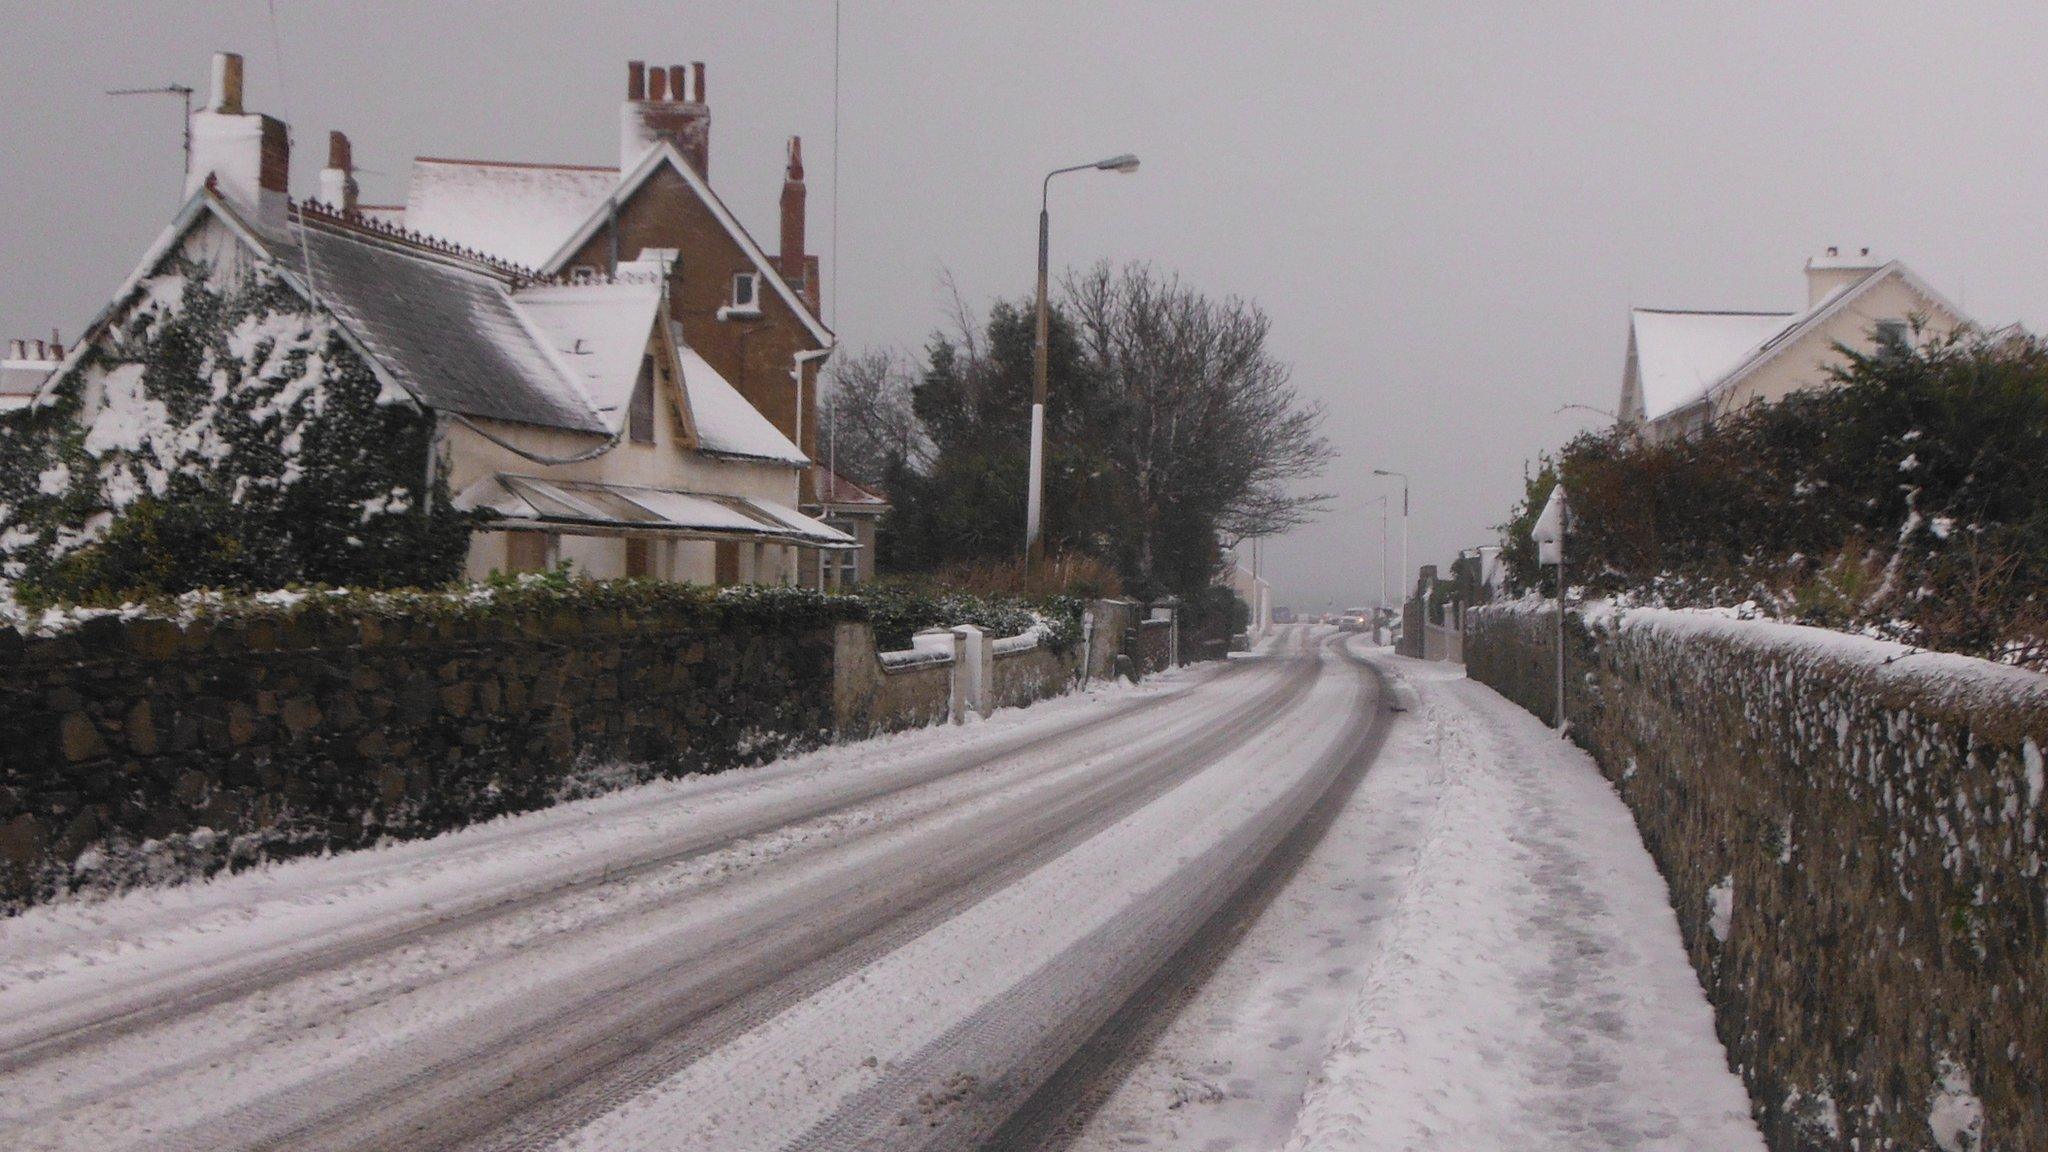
[[528, 551], [640, 414], [1892, 334], [844, 564], [746, 292], [639, 557]]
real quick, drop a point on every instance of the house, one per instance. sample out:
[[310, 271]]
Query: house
[[855, 510], [1256, 592], [569, 408], [28, 364], [748, 316], [1686, 369]]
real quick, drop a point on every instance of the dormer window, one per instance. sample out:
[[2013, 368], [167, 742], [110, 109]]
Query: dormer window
[[746, 292]]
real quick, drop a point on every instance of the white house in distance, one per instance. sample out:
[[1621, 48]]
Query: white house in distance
[[571, 406], [1687, 368]]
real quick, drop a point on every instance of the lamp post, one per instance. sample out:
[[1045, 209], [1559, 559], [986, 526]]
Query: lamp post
[[1403, 476], [1034, 541], [1382, 500]]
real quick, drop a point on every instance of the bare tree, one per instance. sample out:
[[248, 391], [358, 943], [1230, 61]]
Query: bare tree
[[870, 424], [1208, 430]]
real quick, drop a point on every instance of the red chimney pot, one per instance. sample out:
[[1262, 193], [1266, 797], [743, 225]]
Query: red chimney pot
[[636, 80], [657, 85]]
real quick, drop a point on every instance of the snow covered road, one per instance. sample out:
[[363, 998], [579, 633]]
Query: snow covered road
[[1480, 954], [888, 944]]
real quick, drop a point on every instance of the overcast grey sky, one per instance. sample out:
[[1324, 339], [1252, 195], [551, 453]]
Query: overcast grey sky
[[1447, 209]]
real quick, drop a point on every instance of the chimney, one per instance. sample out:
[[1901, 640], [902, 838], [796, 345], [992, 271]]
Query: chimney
[[247, 155], [659, 110], [791, 258], [1830, 272], [338, 180]]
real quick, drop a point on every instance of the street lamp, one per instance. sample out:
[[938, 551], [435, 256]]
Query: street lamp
[[1034, 542], [1404, 521]]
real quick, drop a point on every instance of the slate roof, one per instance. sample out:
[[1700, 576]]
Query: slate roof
[[449, 332]]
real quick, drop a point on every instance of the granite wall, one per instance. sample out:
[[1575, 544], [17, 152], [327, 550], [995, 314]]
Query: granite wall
[[1853, 833]]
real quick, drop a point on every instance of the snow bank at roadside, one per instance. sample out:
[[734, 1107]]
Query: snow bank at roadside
[[1962, 679], [1531, 990]]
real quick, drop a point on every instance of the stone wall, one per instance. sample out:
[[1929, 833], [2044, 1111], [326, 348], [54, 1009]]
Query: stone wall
[[1853, 833], [870, 697], [1155, 645], [163, 747], [1030, 674]]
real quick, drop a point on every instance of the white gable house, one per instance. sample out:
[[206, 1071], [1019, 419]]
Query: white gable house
[[570, 417], [1687, 368]]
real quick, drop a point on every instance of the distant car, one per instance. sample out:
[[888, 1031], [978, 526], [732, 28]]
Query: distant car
[[1355, 620], [1283, 616]]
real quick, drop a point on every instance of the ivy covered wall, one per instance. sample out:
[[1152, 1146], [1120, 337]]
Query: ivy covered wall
[[221, 434]]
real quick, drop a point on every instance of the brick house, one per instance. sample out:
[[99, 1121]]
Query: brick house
[[749, 316]]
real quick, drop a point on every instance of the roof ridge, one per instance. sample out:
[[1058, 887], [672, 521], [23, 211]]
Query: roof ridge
[[328, 214], [1714, 311], [516, 164]]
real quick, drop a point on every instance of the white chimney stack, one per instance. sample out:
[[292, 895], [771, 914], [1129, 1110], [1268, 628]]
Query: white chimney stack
[[1832, 271], [247, 155]]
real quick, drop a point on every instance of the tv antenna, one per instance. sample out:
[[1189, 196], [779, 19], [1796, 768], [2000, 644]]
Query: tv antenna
[[181, 91]]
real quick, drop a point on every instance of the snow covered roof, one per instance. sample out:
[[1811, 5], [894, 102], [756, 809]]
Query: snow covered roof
[[19, 380], [627, 507], [447, 329], [599, 332], [727, 424], [518, 212], [838, 490], [1679, 355], [1683, 357]]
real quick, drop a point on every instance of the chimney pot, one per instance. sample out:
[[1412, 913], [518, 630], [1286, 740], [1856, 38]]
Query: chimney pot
[[56, 351], [1834, 251], [657, 85], [677, 78], [39, 351], [227, 83], [636, 80], [15, 351], [697, 82], [1866, 252], [339, 154]]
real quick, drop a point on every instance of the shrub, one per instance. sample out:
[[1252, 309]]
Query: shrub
[[1908, 501]]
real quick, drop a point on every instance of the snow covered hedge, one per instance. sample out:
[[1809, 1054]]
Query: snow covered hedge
[[1854, 833], [221, 436]]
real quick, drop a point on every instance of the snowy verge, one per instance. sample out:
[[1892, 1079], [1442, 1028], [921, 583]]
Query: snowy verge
[[1530, 990]]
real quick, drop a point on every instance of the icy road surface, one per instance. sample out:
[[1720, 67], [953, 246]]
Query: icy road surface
[[887, 944], [1243, 906], [1479, 954]]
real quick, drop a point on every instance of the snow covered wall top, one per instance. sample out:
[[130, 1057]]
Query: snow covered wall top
[[1853, 832]]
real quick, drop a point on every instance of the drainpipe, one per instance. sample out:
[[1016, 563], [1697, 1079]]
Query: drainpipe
[[796, 373]]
